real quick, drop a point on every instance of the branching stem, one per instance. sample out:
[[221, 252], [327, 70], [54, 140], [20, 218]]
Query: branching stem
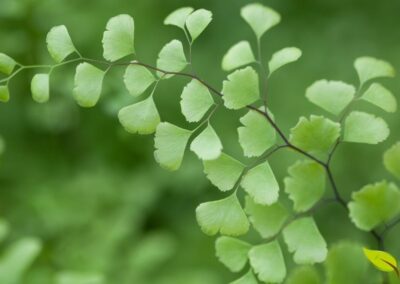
[[338, 198], [287, 144]]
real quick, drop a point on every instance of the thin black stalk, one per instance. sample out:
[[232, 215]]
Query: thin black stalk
[[338, 198], [335, 189]]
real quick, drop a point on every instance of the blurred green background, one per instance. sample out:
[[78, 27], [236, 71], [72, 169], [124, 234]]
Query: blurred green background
[[93, 195]]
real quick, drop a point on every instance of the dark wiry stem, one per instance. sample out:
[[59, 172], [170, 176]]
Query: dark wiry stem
[[338, 198]]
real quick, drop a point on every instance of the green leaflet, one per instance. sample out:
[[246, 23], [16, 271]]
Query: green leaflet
[[59, 43], [17, 259], [316, 135], [266, 220], [248, 278], [256, 135], [69, 277], [232, 252], [40, 88], [178, 17], [391, 160], [369, 68], [237, 56], [260, 183], [268, 263], [7, 64], [241, 88], [225, 216], [306, 184], [141, 117], [374, 204], [170, 142], [361, 127], [381, 97], [282, 57], [332, 96], [305, 241], [207, 145], [304, 275], [4, 227], [4, 94], [118, 39], [260, 18], [223, 172], [138, 79], [346, 263], [88, 84], [171, 58], [197, 22], [196, 100]]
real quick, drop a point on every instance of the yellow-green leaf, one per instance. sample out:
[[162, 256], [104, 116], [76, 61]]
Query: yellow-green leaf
[[382, 260]]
